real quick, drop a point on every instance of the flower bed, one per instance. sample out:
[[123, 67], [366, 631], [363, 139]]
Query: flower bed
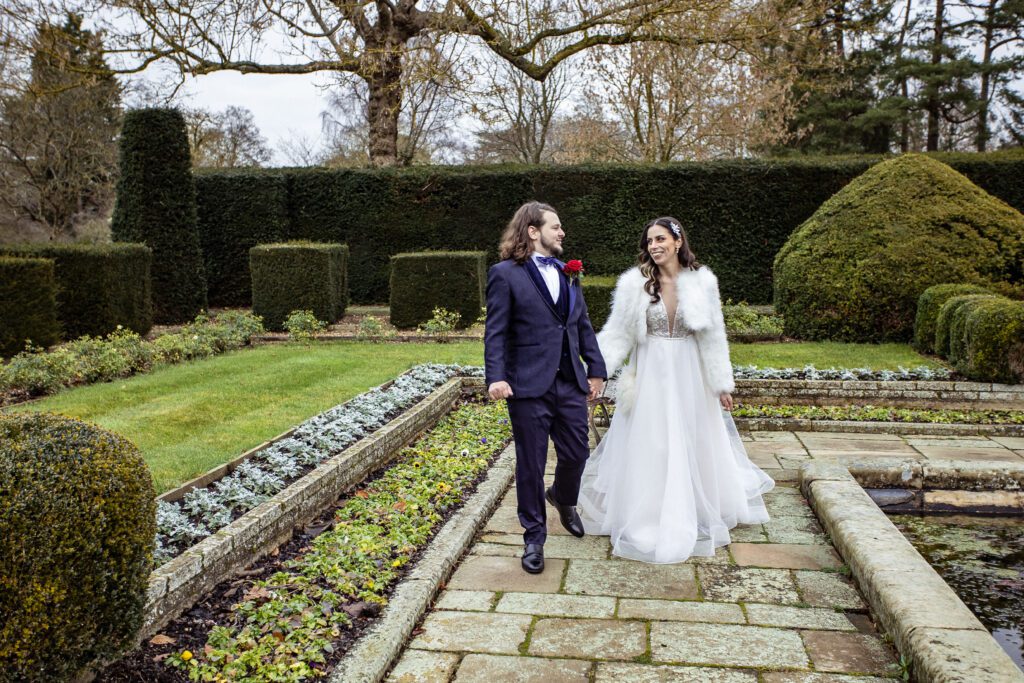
[[203, 511], [870, 413], [921, 373], [36, 372], [294, 621]]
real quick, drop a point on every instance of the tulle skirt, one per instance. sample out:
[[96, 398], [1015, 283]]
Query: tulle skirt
[[671, 476]]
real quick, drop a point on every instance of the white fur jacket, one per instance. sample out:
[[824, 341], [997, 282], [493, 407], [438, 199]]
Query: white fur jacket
[[626, 327]]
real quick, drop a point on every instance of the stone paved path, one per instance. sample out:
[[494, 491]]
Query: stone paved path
[[775, 606]]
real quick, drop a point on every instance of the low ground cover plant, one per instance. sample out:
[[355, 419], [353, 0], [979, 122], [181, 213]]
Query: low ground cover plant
[[284, 627], [870, 413], [36, 372], [921, 373]]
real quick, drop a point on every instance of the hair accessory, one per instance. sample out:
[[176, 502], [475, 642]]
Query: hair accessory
[[676, 230]]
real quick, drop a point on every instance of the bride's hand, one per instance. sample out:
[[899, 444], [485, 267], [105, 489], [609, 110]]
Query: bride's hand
[[726, 401]]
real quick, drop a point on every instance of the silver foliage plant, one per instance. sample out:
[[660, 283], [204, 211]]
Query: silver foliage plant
[[920, 373], [203, 511]]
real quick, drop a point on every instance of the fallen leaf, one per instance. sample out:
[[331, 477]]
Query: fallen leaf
[[256, 593], [161, 639], [362, 494], [400, 506], [160, 658]]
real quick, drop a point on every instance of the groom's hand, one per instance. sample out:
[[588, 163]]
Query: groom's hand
[[596, 387], [499, 390]]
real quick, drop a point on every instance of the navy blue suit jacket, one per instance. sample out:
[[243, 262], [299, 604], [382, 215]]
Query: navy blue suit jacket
[[523, 337]]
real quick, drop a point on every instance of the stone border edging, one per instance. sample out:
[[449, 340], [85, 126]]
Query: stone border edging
[[900, 393], [799, 424], [176, 585], [378, 650], [929, 623]]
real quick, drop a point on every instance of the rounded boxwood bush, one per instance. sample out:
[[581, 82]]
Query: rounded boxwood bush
[[77, 523], [928, 305], [994, 341], [28, 304], [949, 324], [855, 269]]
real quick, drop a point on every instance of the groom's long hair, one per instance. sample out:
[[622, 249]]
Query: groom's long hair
[[515, 241], [650, 269]]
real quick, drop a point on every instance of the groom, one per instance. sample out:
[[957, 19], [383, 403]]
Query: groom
[[537, 329]]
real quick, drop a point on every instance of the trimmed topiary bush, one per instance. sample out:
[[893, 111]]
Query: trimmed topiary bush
[[156, 205], [77, 523], [298, 276], [928, 305], [597, 290], [994, 341], [452, 280], [99, 286], [855, 269], [28, 304], [949, 324]]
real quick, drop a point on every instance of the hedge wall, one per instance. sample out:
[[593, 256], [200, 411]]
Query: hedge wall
[[298, 276], [452, 280], [28, 304], [597, 291], [738, 213], [156, 205], [99, 286]]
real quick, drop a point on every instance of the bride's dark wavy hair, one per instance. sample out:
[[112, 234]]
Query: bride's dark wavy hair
[[647, 265]]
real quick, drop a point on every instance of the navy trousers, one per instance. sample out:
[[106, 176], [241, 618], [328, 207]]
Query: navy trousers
[[560, 414]]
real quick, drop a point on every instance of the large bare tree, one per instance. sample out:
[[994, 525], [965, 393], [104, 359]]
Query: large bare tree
[[369, 38]]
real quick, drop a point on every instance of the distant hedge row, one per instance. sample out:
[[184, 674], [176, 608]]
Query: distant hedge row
[[298, 276], [738, 213], [28, 304], [453, 280]]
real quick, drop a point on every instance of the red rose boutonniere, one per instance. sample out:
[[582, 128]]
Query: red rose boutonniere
[[573, 269]]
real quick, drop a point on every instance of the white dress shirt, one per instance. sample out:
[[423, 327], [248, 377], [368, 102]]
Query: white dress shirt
[[550, 275]]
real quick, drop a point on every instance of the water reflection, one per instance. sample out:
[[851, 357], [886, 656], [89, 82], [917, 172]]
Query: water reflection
[[982, 559]]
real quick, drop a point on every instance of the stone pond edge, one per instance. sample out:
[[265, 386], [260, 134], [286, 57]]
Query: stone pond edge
[[178, 584], [378, 650], [930, 626]]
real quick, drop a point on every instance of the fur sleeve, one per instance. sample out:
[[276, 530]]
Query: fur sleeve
[[618, 336], [714, 348]]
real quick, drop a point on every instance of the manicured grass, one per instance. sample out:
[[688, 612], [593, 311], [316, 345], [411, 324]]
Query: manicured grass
[[830, 354], [191, 417]]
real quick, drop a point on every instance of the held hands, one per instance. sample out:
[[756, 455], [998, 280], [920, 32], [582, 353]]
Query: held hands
[[726, 401], [596, 387], [499, 390]]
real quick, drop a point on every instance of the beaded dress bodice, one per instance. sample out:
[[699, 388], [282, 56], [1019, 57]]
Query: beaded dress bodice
[[659, 325]]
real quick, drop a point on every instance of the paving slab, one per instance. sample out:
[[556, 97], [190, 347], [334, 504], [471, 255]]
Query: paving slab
[[828, 589], [974, 454], [465, 601], [821, 442], [490, 668], [848, 652], [785, 556], [796, 677], [505, 520], [955, 442], [802, 530], [851, 436], [798, 617], [485, 572], [769, 448], [788, 506], [589, 638], [559, 547], [557, 605], [420, 666], [748, 584], [614, 672], [1014, 442], [627, 579], [727, 644], [676, 610], [748, 533], [473, 632]]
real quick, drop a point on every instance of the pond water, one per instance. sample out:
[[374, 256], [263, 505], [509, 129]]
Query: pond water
[[982, 559]]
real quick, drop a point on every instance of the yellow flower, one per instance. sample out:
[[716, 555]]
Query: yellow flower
[[186, 655]]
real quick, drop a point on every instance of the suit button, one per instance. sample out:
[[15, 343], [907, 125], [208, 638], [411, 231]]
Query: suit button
[[561, 327]]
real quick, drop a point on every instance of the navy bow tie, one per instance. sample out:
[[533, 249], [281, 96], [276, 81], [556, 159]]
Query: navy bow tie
[[550, 261]]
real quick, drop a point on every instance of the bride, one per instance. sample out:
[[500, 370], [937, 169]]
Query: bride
[[671, 476]]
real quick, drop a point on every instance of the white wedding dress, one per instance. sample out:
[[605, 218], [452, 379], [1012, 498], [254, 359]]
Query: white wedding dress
[[671, 476]]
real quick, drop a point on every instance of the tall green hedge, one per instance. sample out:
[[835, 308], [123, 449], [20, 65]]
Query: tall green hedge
[[77, 528], [99, 286], [28, 304], [156, 205], [928, 305], [738, 213], [298, 276], [597, 290], [453, 280]]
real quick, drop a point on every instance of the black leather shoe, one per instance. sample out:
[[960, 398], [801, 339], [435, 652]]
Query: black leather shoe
[[533, 558], [567, 514]]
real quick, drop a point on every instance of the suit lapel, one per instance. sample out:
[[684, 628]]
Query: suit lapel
[[542, 287]]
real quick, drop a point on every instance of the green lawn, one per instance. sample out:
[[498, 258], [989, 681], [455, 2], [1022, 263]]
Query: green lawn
[[191, 417]]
